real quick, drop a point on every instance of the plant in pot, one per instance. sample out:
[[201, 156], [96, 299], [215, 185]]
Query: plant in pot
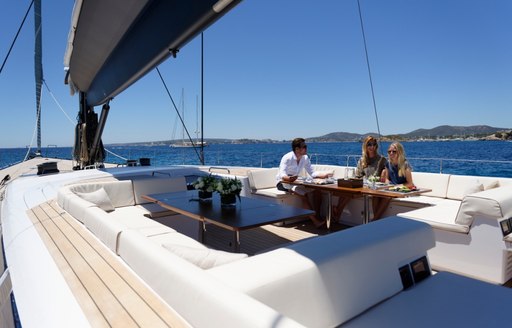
[[229, 189], [206, 186]]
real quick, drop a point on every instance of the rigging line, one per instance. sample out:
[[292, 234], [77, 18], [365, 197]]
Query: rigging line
[[369, 70], [33, 133], [57, 102], [114, 154], [16, 37], [178, 113]]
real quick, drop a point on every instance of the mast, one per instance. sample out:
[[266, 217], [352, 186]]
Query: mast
[[38, 66]]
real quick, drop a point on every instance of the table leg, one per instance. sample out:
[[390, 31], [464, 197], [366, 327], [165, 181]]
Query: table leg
[[202, 230], [237, 241], [329, 210], [366, 209]]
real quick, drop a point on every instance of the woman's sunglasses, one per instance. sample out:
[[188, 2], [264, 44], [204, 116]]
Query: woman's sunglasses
[[391, 151]]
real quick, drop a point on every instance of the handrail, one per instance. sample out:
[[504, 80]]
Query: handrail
[[164, 173], [218, 168]]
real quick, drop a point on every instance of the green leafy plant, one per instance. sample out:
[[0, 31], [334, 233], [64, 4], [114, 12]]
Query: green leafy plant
[[206, 183]]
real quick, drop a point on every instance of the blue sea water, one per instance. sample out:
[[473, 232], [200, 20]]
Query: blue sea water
[[480, 158]]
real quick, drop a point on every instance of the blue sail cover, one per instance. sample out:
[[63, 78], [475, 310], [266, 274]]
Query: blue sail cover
[[114, 43]]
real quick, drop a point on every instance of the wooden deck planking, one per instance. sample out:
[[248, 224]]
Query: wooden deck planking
[[255, 240], [109, 293]]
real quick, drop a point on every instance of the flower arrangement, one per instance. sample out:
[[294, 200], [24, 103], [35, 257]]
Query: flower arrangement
[[207, 183], [373, 178], [227, 186]]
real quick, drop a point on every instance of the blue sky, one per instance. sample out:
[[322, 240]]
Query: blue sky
[[285, 68]]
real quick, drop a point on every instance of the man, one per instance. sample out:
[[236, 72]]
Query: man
[[291, 165]]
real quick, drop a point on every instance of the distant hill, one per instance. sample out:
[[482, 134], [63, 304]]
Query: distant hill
[[481, 132], [445, 131], [439, 132]]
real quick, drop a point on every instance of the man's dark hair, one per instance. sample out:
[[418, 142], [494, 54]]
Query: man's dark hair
[[297, 142]]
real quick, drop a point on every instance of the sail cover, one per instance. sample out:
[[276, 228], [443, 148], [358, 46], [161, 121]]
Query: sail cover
[[113, 43]]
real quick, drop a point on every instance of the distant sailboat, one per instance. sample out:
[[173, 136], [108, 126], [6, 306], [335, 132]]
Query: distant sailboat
[[183, 143]]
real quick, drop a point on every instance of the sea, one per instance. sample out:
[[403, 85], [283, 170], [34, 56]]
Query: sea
[[479, 158]]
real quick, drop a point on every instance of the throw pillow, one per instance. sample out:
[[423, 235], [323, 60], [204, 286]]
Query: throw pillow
[[471, 189], [491, 185], [204, 258], [99, 198]]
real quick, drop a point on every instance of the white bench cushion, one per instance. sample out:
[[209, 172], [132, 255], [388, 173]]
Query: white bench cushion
[[439, 216], [272, 192], [205, 258]]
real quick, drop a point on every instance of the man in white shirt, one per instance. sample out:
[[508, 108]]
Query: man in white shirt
[[291, 165]]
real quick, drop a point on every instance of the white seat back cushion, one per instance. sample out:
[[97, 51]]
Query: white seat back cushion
[[437, 182], [156, 185], [462, 185], [261, 179]]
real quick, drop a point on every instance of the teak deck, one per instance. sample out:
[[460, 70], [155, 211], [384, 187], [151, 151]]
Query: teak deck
[[109, 293]]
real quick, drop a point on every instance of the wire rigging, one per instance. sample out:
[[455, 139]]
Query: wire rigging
[[16, 37], [178, 113], [369, 70]]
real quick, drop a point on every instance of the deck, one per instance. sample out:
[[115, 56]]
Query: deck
[[110, 294]]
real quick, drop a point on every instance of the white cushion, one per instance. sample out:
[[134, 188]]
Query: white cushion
[[203, 258], [272, 192], [491, 185], [325, 281], [462, 185], [492, 203], [471, 189], [261, 179], [156, 185], [119, 192], [435, 181], [440, 216], [98, 197]]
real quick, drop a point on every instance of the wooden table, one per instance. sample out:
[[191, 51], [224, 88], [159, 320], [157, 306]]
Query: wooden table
[[365, 192], [247, 214]]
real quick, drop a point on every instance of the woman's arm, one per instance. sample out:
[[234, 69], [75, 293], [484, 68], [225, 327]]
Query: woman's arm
[[384, 176], [408, 177]]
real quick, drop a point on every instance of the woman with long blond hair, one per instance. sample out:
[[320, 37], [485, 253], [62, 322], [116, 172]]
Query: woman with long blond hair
[[397, 171]]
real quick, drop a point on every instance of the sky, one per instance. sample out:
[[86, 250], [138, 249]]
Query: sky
[[281, 69]]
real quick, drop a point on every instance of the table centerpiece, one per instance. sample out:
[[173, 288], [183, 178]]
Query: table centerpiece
[[229, 189], [205, 186]]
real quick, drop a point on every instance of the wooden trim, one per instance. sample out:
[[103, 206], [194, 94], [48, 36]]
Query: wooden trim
[[110, 294]]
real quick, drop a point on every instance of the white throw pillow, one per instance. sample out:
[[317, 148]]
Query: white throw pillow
[[491, 185], [471, 189], [99, 198], [203, 258]]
